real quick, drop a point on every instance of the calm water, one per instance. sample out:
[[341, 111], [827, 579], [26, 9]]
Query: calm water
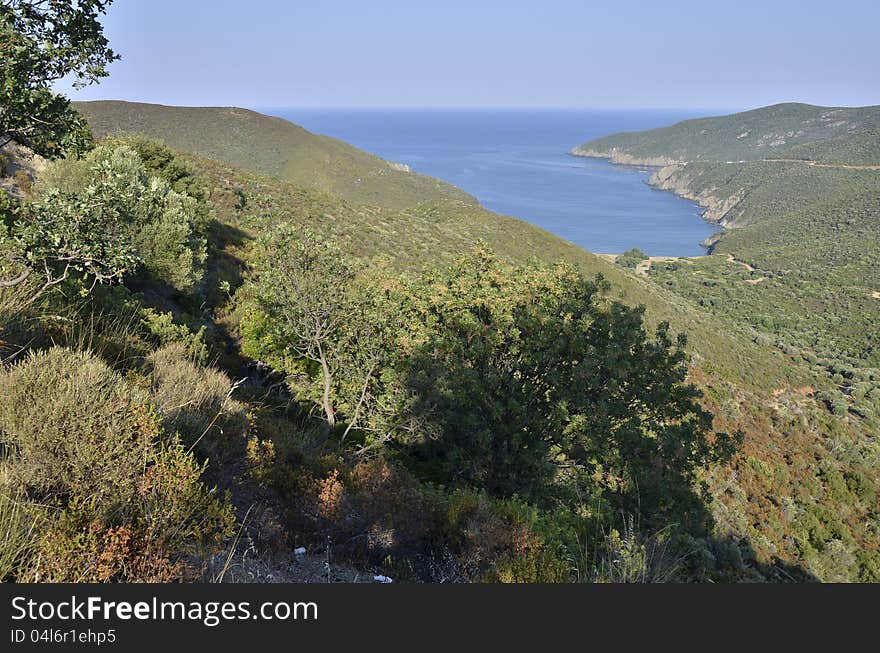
[[516, 163]]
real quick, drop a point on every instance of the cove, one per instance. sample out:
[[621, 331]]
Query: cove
[[516, 162]]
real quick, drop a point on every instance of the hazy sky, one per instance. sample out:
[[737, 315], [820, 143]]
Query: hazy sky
[[577, 53]]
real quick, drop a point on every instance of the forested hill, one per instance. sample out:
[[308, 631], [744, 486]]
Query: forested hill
[[797, 189], [791, 130], [271, 146]]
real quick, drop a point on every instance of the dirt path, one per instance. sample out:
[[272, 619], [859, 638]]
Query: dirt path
[[816, 164], [643, 267], [875, 294], [732, 259]]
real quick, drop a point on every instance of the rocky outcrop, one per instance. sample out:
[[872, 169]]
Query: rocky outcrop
[[619, 157], [19, 166], [716, 209], [400, 167], [673, 175]]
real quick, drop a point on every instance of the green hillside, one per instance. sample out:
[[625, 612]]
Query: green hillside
[[271, 146], [798, 131], [264, 355], [437, 232], [804, 235], [771, 500], [774, 513], [797, 189]]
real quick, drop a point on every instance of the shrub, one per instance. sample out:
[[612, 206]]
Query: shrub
[[122, 500], [103, 216], [632, 258], [497, 541], [162, 329], [162, 162], [74, 426], [174, 525], [193, 400]]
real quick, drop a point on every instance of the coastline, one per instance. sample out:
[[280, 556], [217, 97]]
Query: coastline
[[670, 175], [622, 158]]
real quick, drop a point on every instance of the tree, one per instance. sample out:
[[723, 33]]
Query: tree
[[310, 313], [98, 218], [528, 377], [41, 42]]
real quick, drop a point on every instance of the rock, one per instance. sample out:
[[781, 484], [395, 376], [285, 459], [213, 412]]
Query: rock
[[20, 167], [622, 158]]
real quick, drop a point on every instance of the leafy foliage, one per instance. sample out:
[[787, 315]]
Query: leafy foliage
[[527, 370], [488, 375], [631, 259], [102, 216], [310, 318], [40, 43]]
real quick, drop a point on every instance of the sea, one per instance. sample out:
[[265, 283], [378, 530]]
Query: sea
[[516, 162]]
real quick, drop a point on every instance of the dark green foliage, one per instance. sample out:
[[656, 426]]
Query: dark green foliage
[[521, 372], [489, 375], [41, 43]]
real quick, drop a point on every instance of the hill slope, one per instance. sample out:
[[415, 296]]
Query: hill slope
[[797, 131], [271, 146], [797, 189], [772, 500]]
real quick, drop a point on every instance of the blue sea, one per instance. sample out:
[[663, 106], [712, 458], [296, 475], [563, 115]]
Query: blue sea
[[516, 162]]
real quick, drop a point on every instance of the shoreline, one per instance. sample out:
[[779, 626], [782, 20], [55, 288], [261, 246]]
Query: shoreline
[[712, 209]]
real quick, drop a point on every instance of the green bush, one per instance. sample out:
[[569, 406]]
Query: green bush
[[194, 401], [74, 427], [162, 329], [119, 499], [632, 258], [102, 216]]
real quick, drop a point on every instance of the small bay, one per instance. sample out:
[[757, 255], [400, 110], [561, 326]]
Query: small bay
[[516, 162]]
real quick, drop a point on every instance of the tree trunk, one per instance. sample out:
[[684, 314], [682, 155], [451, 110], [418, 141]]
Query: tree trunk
[[329, 413]]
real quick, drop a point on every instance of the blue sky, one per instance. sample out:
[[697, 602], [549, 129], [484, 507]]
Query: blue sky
[[463, 53]]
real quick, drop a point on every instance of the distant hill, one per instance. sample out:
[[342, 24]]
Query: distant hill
[[271, 146], [797, 188], [797, 131]]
